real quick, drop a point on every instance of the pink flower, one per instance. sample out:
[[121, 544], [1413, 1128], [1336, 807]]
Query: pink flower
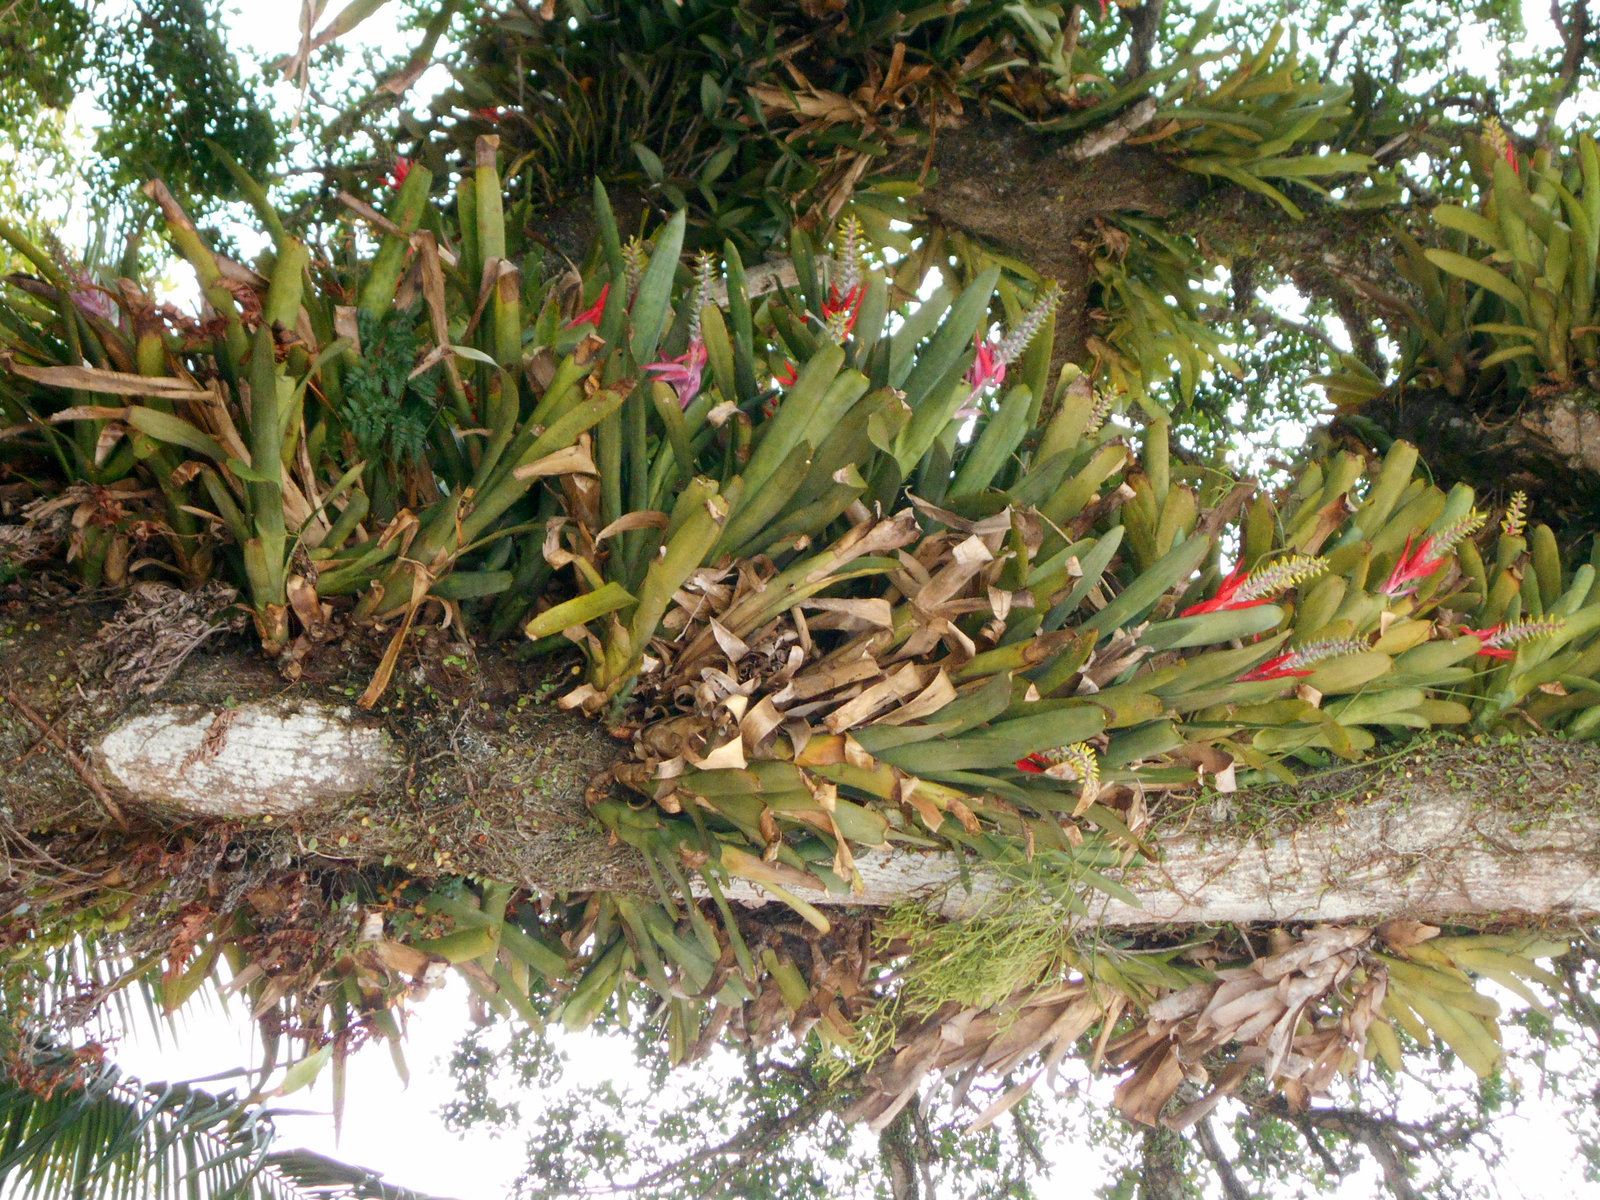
[[592, 314], [91, 298], [988, 368], [402, 168], [684, 372]]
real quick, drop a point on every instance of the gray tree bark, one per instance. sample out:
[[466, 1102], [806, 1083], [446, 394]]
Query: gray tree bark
[[468, 766]]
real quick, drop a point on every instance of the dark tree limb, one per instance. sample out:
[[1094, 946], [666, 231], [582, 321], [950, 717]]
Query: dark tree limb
[[1378, 1137], [1232, 1187], [897, 1146], [1313, 1139], [1145, 22]]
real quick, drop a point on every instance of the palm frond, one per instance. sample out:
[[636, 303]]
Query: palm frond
[[75, 1126]]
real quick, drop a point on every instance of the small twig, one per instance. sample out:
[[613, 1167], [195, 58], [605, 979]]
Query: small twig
[[78, 765]]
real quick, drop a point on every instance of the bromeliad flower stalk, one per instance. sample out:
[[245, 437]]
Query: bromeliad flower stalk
[[989, 367], [1497, 640], [685, 372], [1515, 521], [1295, 663], [1500, 142], [1242, 590], [1076, 761], [1430, 556]]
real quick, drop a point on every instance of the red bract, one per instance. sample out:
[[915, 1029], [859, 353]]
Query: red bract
[[988, 368], [594, 312], [1486, 645], [847, 305], [1412, 567], [1034, 764], [787, 376], [1225, 597], [1497, 640], [402, 168], [1280, 667]]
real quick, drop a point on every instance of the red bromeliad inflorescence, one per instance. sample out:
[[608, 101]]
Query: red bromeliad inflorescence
[[1495, 134], [988, 369], [1497, 640], [1298, 662], [991, 358], [1432, 554], [686, 371], [839, 311], [1076, 761], [397, 174], [592, 314], [1247, 590]]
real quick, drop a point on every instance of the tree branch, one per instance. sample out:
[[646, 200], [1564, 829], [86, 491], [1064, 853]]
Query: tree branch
[[1232, 1187], [1377, 1137]]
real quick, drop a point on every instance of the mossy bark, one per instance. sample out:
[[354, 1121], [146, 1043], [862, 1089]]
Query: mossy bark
[[468, 766], [1546, 446]]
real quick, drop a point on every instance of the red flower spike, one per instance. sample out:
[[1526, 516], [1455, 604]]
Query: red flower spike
[[1497, 640], [787, 376], [592, 314], [987, 368], [1413, 566], [1491, 651], [847, 306], [1431, 555], [1224, 599], [1274, 668], [402, 168]]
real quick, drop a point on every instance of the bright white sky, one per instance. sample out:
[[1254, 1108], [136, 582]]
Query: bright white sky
[[397, 1130]]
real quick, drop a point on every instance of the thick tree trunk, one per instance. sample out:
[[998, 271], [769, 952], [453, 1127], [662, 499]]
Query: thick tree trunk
[[468, 767], [464, 766], [1548, 448]]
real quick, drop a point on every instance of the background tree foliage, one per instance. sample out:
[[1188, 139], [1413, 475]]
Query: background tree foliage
[[848, 569]]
